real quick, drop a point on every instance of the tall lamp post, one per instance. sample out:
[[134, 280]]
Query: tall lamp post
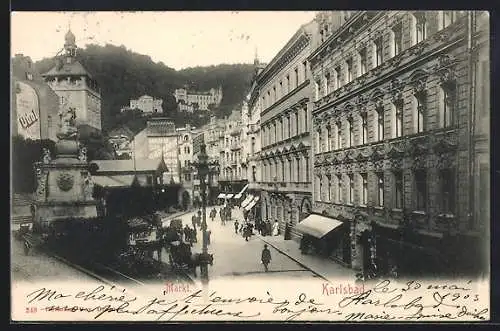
[[203, 167]]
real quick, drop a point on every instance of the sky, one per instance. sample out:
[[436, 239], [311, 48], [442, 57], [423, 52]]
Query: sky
[[178, 39]]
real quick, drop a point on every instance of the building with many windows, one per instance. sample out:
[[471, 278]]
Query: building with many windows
[[190, 100], [76, 87], [148, 104], [395, 145], [285, 91]]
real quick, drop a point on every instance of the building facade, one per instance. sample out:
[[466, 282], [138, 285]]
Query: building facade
[[285, 122], [191, 100], [147, 104], [34, 105], [157, 139], [120, 139], [76, 87], [393, 139], [231, 177]]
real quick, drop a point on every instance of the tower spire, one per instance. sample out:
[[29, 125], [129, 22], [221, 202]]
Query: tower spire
[[256, 58]]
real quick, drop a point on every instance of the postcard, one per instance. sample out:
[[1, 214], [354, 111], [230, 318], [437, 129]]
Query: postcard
[[200, 166]]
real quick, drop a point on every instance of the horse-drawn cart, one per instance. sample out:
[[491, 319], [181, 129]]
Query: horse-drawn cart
[[180, 255]]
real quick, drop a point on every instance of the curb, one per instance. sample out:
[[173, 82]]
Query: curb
[[293, 258]]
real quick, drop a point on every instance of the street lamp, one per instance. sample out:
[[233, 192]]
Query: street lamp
[[203, 167]]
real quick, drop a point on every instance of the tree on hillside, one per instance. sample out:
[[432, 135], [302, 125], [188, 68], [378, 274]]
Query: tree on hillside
[[123, 75]]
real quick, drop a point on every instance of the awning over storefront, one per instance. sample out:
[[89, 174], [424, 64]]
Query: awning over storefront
[[221, 196], [238, 196], [247, 200], [229, 195], [317, 226], [251, 204]]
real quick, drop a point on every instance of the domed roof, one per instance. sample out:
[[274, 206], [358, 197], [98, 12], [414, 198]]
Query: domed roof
[[69, 38]]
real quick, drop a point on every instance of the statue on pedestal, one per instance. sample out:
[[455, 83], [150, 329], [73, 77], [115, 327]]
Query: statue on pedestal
[[82, 155], [46, 156], [67, 117]]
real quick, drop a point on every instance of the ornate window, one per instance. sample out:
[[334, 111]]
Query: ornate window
[[350, 130], [289, 124], [418, 112], [364, 185], [447, 181], [328, 134], [398, 189], [351, 189], [398, 118], [421, 190], [326, 84], [377, 52], [362, 61], [290, 170], [396, 34], [339, 188], [419, 27], [338, 81], [306, 119], [364, 128], [447, 99], [380, 187], [380, 123], [348, 68], [296, 71], [282, 170], [339, 135]]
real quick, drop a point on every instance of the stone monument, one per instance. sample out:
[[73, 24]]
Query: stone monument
[[64, 184]]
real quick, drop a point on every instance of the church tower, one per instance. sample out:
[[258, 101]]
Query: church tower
[[76, 87]]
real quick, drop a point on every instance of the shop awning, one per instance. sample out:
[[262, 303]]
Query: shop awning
[[238, 196], [251, 204], [247, 200], [229, 195], [317, 226], [221, 196]]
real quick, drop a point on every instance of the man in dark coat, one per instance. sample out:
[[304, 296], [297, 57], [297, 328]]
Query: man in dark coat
[[194, 220], [236, 226], [266, 257]]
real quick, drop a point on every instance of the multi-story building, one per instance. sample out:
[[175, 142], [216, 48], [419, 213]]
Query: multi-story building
[[185, 137], [285, 119], [147, 104], [159, 139], [76, 87], [398, 158], [34, 104], [231, 178], [191, 100]]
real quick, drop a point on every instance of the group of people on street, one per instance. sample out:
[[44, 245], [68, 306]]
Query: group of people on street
[[245, 229], [225, 214], [266, 228]]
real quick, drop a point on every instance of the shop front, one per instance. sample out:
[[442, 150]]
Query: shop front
[[326, 237]]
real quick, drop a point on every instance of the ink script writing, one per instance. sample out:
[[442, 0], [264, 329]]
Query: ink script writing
[[385, 300]]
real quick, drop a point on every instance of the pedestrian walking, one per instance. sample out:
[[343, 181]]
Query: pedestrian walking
[[186, 233], [209, 233], [236, 226], [265, 257], [194, 221]]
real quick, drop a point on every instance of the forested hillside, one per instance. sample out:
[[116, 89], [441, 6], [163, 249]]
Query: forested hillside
[[123, 74]]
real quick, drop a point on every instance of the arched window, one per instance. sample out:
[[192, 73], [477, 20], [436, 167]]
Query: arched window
[[446, 95]]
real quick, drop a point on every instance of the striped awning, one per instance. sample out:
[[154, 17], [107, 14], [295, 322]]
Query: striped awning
[[221, 196], [238, 196], [247, 200], [251, 204], [229, 195]]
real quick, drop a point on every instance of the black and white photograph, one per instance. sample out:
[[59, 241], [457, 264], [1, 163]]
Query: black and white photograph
[[201, 166]]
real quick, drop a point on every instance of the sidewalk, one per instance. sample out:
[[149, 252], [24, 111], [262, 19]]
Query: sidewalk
[[323, 267]]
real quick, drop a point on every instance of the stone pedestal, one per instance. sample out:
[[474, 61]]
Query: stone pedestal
[[65, 187]]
